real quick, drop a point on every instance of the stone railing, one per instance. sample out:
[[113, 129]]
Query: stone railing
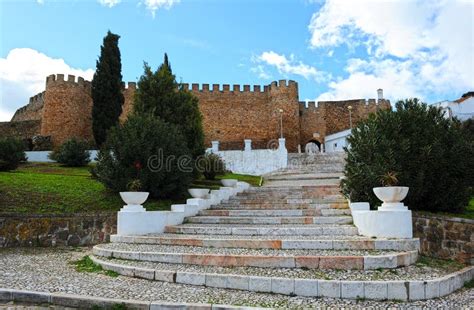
[[445, 237], [251, 161]]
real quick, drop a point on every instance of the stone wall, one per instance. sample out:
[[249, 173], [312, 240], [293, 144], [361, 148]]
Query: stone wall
[[230, 113], [318, 120], [51, 230], [68, 109], [20, 129], [32, 111], [444, 237]]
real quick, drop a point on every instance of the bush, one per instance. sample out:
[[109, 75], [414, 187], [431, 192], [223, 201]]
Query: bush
[[72, 153], [430, 154], [11, 153], [147, 149], [211, 165]]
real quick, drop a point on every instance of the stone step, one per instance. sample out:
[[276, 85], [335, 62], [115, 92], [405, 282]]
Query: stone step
[[263, 220], [299, 176], [252, 230], [274, 212], [410, 283], [279, 206], [300, 182], [274, 242], [265, 258]]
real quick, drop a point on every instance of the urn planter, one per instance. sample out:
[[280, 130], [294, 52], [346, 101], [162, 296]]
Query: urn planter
[[134, 201], [391, 196], [229, 182], [199, 192]]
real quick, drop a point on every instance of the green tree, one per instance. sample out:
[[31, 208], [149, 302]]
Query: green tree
[[147, 149], [107, 94], [429, 153], [158, 93]]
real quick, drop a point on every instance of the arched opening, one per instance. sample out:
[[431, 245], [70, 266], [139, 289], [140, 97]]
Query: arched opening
[[313, 146]]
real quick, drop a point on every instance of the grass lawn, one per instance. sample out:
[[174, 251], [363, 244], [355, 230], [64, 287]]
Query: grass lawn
[[51, 188]]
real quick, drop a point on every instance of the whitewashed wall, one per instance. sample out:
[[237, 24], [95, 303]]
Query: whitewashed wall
[[337, 141], [42, 156], [253, 162]]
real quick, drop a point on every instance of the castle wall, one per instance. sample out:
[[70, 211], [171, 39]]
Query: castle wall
[[67, 109], [32, 111], [329, 117], [20, 129]]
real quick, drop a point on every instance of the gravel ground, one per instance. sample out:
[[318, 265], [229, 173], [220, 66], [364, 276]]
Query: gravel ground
[[414, 272], [236, 251], [49, 270]]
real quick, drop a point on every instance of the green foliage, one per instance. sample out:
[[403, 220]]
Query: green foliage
[[148, 149], [211, 165], [430, 154], [86, 264], [107, 88], [11, 153], [158, 93], [72, 153]]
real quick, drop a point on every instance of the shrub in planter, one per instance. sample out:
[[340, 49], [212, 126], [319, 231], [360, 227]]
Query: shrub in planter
[[211, 165], [432, 156], [72, 153], [147, 149], [11, 153]]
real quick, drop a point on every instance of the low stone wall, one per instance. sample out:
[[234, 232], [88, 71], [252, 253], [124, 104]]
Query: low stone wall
[[53, 230], [445, 237]]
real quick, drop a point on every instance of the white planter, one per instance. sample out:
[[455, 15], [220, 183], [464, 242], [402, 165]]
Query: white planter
[[391, 196], [134, 198], [134, 201], [229, 182], [198, 192]]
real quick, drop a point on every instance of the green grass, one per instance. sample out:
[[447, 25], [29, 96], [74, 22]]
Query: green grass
[[45, 188], [86, 264], [469, 284], [450, 265]]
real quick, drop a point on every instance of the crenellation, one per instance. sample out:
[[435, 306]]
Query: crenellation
[[229, 115]]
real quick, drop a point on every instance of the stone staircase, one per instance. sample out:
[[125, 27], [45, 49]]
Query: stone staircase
[[266, 239]]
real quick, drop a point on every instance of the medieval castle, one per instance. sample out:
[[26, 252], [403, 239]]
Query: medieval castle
[[230, 115]]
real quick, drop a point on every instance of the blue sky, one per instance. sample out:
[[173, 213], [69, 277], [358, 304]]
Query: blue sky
[[333, 49]]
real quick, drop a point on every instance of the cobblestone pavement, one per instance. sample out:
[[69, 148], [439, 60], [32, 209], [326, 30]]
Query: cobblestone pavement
[[50, 270]]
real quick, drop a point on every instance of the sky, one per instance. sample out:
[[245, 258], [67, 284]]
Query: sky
[[334, 49]]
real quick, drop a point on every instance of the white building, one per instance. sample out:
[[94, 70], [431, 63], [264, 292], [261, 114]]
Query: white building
[[462, 108], [336, 141]]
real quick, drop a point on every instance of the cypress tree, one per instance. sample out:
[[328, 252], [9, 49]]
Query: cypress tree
[[107, 94], [158, 93]]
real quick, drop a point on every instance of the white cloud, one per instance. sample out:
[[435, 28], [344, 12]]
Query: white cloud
[[23, 74], [286, 65], [40, 1], [109, 3], [154, 5], [415, 48], [260, 71]]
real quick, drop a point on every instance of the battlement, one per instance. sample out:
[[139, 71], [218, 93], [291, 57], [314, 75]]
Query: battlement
[[31, 111], [54, 79], [237, 88], [367, 103]]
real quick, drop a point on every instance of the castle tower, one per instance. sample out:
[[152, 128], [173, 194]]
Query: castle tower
[[67, 109]]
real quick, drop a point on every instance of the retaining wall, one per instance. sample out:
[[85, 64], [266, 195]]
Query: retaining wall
[[445, 237], [51, 230]]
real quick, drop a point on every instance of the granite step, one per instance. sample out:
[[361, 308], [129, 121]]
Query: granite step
[[266, 258], [267, 230], [279, 206], [273, 220], [275, 212], [274, 242]]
